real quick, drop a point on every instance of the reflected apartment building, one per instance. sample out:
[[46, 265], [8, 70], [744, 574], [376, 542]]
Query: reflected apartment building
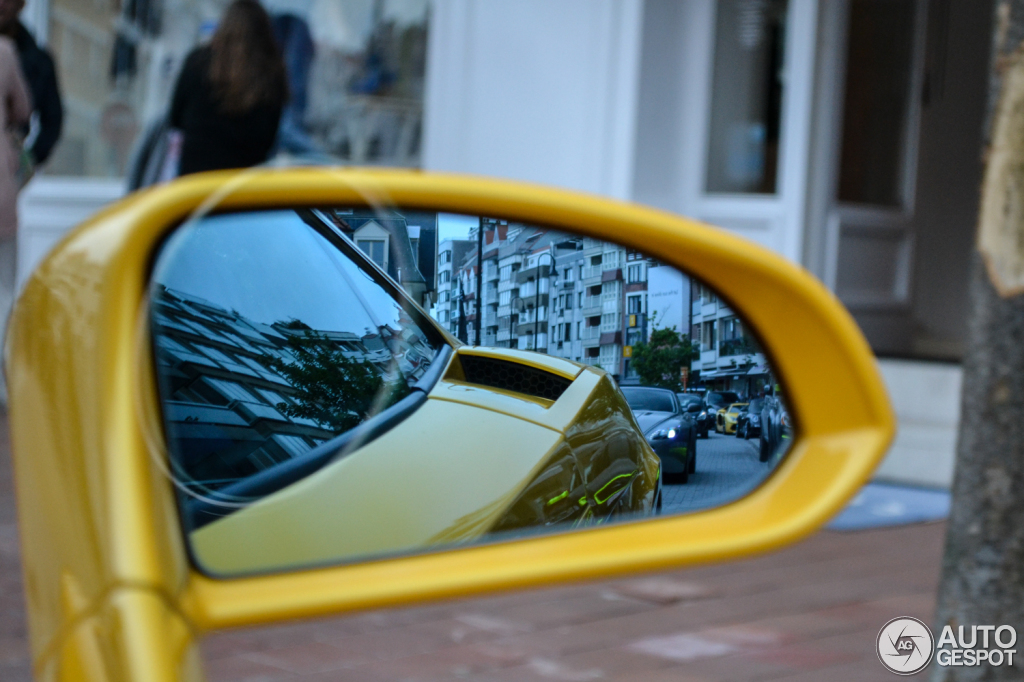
[[523, 301], [591, 302], [730, 359]]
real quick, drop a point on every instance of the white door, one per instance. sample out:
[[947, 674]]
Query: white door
[[870, 88]]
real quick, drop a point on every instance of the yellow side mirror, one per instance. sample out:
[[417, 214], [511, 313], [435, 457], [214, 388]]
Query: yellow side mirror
[[120, 576]]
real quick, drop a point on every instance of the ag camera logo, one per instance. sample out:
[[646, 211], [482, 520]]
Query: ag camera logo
[[905, 645]]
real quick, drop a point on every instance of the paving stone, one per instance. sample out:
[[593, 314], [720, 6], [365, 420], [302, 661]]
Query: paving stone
[[727, 468]]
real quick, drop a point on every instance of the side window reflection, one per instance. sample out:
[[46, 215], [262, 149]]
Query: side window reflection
[[259, 371]]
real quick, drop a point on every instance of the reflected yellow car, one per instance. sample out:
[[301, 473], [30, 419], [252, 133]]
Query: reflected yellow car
[[726, 420]]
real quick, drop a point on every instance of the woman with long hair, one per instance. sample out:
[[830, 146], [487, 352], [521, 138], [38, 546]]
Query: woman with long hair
[[229, 96]]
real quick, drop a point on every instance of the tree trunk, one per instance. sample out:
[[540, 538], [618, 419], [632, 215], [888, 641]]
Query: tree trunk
[[983, 567]]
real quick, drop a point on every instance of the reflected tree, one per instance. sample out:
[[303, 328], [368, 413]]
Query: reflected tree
[[659, 361], [333, 386]]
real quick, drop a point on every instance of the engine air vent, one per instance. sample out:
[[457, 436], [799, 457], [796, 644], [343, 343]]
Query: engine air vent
[[512, 376]]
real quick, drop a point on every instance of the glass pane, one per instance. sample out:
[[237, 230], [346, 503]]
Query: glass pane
[[879, 65], [321, 327], [356, 73], [746, 100], [314, 414]]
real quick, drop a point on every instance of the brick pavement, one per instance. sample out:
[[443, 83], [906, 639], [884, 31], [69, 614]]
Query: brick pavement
[[727, 468], [810, 612]]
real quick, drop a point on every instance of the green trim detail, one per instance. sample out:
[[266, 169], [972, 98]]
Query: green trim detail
[[597, 497], [558, 498]]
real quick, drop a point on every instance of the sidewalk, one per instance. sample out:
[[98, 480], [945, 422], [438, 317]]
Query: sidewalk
[[810, 612]]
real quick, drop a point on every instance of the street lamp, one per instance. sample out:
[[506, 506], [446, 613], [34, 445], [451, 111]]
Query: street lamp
[[536, 299]]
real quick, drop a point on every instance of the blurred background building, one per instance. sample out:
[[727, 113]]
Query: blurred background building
[[843, 134]]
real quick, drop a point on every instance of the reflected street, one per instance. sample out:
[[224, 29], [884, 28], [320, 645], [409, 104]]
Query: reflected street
[[727, 467]]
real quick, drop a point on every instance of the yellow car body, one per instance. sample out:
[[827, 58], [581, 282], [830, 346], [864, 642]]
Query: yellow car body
[[725, 420], [111, 591], [578, 460]]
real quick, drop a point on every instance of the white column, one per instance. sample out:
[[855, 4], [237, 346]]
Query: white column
[[535, 90]]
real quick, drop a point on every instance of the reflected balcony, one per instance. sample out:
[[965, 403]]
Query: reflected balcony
[[591, 306], [740, 346]]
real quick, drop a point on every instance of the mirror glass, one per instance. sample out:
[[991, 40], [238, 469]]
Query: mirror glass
[[343, 384]]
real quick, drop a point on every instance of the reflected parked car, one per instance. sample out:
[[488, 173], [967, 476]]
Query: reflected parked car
[[776, 428], [669, 430], [749, 423], [693, 403], [725, 421], [718, 401]]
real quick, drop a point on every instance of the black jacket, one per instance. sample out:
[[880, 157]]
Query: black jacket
[[37, 65], [214, 140]]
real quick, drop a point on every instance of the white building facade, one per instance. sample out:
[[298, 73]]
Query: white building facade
[[843, 134]]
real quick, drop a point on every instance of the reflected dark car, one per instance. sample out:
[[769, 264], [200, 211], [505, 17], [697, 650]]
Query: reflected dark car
[[748, 424], [669, 430], [693, 404], [718, 401], [776, 427]]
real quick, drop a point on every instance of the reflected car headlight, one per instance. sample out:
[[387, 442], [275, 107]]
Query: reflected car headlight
[[703, 415], [663, 434], [755, 420]]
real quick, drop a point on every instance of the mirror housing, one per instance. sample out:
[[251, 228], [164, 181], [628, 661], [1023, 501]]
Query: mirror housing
[[99, 526]]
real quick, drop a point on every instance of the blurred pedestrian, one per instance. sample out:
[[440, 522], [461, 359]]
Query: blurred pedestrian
[[41, 78], [230, 94], [297, 49], [15, 110]]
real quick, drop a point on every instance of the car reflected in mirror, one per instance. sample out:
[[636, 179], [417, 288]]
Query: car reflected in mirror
[[315, 412]]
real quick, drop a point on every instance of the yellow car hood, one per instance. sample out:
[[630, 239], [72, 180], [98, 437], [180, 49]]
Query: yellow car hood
[[447, 473]]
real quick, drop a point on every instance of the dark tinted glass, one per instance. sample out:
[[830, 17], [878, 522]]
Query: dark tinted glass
[[272, 340], [652, 400], [879, 73], [722, 398], [746, 96]]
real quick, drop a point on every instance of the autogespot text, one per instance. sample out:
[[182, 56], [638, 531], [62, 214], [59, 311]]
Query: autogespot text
[[976, 645]]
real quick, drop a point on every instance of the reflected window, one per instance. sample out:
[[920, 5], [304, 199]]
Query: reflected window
[[375, 249], [746, 98]]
